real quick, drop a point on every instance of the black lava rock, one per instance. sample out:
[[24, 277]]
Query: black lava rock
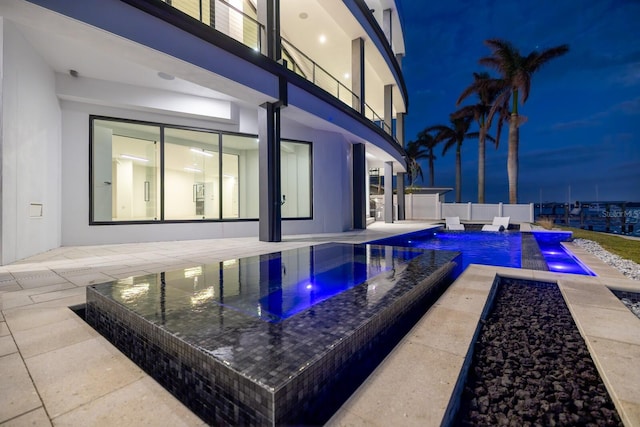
[[531, 366]]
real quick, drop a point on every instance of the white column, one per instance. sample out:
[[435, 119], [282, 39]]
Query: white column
[[388, 192]]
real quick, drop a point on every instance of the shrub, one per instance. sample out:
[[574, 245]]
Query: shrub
[[545, 222]]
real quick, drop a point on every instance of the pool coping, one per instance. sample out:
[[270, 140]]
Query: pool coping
[[428, 362], [55, 368]]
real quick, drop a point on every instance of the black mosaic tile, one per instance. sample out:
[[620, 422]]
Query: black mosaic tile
[[232, 366], [532, 257]]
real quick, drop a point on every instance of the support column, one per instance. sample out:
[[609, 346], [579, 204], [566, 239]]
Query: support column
[[400, 177], [360, 203], [269, 173], [212, 14], [388, 109], [357, 74], [388, 192], [269, 16], [386, 25], [400, 128], [399, 58], [401, 195]]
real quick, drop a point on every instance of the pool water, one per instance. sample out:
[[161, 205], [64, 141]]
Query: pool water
[[558, 258], [503, 249], [478, 247], [272, 287], [293, 281]]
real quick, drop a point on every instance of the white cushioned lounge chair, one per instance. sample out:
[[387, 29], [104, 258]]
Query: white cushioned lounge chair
[[453, 223], [499, 223]]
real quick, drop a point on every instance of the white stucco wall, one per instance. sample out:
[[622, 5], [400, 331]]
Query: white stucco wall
[[30, 144], [331, 178], [332, 189], [75, 186]]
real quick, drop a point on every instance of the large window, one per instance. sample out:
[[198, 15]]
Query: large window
[[295, 163], [191, 174], [125, 170], [143, 172], [240, 176]]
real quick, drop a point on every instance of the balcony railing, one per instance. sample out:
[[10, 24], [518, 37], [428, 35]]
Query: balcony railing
[[301, 64], [233, 22], [224, 17], [376, 119]]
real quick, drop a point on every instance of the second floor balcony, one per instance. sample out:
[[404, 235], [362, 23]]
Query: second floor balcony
[[316, 43]]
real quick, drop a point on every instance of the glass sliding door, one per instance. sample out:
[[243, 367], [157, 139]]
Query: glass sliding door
[[239, 177], [125, 171], [295, 164], [191, 174]]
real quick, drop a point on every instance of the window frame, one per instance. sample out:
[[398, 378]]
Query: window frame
[[161, 185], [310, 144]]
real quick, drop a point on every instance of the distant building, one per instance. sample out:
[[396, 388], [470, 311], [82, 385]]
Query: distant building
[[142, 120]]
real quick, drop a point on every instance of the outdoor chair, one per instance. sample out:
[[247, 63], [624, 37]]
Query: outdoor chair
[[453, 223], [500, 223]]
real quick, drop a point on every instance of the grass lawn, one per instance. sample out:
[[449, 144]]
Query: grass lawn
[[626, 248]]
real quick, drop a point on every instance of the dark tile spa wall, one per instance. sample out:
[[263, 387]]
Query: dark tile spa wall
[[340, 341]]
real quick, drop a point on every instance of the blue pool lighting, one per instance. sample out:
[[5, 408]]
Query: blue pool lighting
[[276, 286], [477, 247], [498, 249], [558, 258]]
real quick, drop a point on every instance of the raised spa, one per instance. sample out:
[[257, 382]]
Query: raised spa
[[275, 339]]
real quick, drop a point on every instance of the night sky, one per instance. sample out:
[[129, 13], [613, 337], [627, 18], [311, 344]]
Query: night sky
[[582, 138]]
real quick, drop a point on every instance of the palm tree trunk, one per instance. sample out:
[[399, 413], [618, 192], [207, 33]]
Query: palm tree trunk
[[481, 157], [458, 176], [431, 173], [512, 158]]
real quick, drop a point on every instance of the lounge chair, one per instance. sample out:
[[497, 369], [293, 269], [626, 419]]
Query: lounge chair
[[453, 223], [500, 223]]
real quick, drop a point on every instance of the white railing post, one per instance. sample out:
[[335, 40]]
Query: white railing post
[[500, 209], [469, 217], [438, 209], [531, 213]]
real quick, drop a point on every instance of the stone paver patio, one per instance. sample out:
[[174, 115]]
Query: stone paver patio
[[56, 370]]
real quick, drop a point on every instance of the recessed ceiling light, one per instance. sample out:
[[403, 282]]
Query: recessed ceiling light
[[165, 76], [347, 75], [322, 38], [303, 15]]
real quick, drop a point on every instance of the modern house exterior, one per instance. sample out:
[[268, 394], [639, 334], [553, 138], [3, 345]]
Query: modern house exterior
[[147, 120]]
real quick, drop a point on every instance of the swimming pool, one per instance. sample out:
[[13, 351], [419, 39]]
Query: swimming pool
[[477, 247], [503, 249]]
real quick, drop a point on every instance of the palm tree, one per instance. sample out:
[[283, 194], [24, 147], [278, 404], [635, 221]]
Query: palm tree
[[487, 89], [454, 136], [428, 142], [516, 70], [414, 152]]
